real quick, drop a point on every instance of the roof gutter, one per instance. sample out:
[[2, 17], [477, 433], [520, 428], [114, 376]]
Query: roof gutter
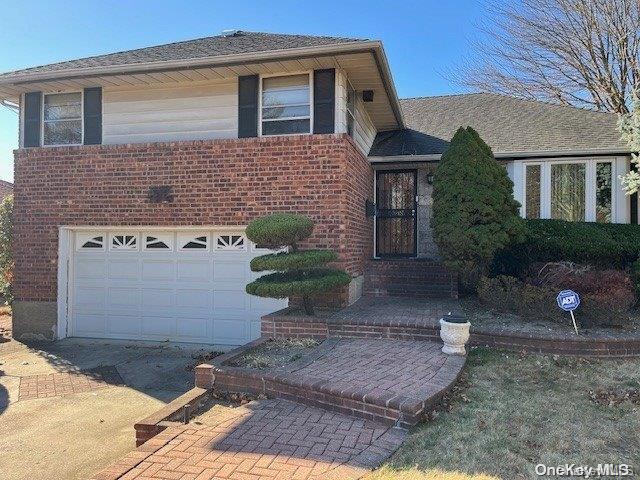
[[373, 46], [503, 155]]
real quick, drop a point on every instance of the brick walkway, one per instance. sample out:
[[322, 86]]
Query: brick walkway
[[57, 384], [383, 369], [265, 439], [386, 380]]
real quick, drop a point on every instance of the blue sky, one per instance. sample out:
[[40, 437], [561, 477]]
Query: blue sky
[[423, 39]]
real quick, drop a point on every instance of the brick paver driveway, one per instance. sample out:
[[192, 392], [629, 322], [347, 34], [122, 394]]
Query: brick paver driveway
[[265, 439]]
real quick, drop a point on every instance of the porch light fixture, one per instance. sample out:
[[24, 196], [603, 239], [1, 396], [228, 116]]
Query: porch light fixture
[[430, 178], [367, 96]]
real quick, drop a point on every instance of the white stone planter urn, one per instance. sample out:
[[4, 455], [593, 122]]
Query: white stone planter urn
[[454, 332]]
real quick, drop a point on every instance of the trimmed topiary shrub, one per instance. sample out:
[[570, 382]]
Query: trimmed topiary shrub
[[280, 230], [601, 245], [296, 273], [474, 213]]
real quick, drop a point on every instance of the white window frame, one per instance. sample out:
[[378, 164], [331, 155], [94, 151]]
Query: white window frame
[[289, 74], [590, 185], [44, 95], [346, 109]]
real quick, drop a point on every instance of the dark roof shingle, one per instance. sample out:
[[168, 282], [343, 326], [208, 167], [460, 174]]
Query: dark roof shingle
[[238, 43], [507, 124]]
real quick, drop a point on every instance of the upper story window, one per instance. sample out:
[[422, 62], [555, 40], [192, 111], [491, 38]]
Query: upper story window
[[286, 105], [351, 109], [62, 119]]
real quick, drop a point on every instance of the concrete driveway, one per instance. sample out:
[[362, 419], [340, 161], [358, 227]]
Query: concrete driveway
[[71, 435]]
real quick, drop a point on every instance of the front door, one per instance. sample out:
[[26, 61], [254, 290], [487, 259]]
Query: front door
[[396, 213]]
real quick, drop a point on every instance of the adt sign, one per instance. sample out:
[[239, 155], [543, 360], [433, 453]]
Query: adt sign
[[568, 300]]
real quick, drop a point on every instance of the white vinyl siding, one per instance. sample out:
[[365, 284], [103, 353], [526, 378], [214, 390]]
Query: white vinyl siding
[[170, 113], [364, 131]]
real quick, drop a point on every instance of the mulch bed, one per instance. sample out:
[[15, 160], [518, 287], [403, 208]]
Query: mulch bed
[[275, 353], [486, 320]]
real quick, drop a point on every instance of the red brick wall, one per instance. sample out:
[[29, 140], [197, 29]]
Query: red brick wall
[[217, 182]]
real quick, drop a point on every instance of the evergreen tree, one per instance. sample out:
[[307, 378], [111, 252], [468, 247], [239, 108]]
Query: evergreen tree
[[474, 212]]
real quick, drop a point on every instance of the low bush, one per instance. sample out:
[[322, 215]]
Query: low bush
[[606, 295], [602, 245], [6, 249], [511, 295]]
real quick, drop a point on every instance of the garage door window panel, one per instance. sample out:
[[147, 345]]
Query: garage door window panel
[[157, 242], [91, 242], [231, 242], [193, 242], [125, 242]]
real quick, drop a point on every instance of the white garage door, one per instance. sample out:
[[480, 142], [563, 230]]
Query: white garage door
[[182, 285]]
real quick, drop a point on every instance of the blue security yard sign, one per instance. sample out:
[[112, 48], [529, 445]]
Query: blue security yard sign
[[568, 300]]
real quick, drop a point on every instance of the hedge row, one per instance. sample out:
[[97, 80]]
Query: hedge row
[[602, 245]]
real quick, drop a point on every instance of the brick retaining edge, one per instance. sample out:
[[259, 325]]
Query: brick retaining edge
[[169, 415], [283, 324]]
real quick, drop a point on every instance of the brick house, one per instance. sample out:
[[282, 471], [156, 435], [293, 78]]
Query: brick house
[[138, 171]]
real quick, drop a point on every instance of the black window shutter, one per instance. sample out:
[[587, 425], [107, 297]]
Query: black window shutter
[[248, 106], [32, 106], [324, 100], [93, 116]]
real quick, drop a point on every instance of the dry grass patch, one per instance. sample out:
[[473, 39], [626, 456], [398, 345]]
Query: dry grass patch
[[275, 353], [512, 412]]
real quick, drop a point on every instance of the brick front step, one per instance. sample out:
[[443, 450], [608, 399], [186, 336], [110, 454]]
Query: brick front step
[[347, 376], [409, 277]]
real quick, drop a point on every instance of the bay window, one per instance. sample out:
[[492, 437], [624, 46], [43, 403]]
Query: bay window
[[286, 105], [62, 119], [572, 190], [568, 191], [532, 188]]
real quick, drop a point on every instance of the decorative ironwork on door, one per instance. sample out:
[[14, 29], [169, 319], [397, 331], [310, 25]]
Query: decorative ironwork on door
[[396, 213]]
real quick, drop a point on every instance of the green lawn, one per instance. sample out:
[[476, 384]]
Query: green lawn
[[511, 412]]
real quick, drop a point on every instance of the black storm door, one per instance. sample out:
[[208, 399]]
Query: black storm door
[[396, 213]]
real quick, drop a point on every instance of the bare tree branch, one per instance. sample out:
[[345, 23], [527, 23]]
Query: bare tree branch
[[584, 53]]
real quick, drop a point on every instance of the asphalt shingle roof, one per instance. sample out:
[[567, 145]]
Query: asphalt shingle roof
[[507, 124], [241, 42]]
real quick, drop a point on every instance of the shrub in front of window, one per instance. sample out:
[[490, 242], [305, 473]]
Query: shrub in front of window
[[474, 213], [601, 245], [6, 250], [296, 273]]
